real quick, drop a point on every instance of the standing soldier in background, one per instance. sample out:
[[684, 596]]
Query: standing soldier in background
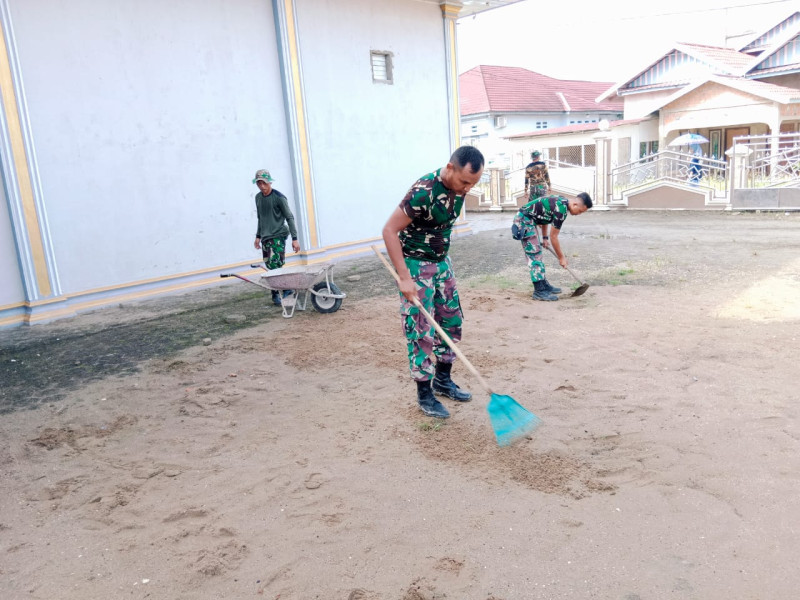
[[537, 178], [275, 223]]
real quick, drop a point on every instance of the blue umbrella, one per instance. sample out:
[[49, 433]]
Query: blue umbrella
[[688, 139]]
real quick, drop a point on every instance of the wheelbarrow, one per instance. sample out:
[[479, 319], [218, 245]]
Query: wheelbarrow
[[301, 281]]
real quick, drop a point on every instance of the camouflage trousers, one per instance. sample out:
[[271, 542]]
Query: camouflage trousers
[[438, 294], [537, 191], [533, 252], [274, 252]]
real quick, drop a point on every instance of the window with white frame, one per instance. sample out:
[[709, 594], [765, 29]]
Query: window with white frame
[[541, 124], [381, 66]]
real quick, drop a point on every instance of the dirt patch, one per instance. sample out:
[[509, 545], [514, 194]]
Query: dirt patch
[[52, 438], [287, 459]]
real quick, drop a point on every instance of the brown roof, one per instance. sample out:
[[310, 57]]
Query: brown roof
[[771, 91], [491, 89], [730, 60]]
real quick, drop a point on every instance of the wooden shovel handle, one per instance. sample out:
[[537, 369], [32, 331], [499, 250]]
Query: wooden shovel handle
[[436, 325], [553, 252]]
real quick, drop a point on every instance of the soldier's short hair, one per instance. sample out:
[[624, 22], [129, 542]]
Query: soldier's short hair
[[586, 199], [468, 155]]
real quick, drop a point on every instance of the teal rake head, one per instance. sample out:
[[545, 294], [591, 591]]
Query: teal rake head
[[510, 420]]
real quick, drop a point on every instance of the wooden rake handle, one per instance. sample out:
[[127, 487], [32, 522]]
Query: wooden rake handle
[[553, 252], [436, 325]]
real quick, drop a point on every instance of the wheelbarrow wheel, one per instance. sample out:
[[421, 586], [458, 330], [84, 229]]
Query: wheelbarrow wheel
[[323, 302]]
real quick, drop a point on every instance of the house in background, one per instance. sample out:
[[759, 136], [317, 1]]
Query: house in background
[[571, 151], [499, 102], [750, 94], [130, 133], [733, 92]]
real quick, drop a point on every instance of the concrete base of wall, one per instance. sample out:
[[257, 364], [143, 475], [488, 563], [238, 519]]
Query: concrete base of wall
[[69, 306], [766, 199]]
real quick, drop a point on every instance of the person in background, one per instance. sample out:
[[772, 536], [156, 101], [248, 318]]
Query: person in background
[[275, 223], [695, 170], [537, 177]]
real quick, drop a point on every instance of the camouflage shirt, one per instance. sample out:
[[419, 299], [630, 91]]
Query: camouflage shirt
[[547, 210], [432, 208], [536, 173]]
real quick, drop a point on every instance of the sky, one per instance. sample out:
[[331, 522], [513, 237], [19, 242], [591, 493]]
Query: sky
[[610, 40]]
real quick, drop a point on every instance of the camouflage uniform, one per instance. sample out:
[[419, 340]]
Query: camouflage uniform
[[548, 210], [537, 180], [432, 208], [274, 252], [275, 222]]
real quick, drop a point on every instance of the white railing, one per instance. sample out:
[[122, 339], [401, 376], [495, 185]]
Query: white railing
[[766, 161], [670, 165]]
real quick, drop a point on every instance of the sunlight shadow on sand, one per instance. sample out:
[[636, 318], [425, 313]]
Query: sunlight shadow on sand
[[775, 298]]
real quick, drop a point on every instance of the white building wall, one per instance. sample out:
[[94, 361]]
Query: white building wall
[[492, 140], [640, 105], [11, 290], [370, 141], [149, 119]]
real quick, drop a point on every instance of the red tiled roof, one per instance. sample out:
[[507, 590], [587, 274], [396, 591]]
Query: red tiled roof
[[490, 89], [731, 60], [771, 91], [772, 70]]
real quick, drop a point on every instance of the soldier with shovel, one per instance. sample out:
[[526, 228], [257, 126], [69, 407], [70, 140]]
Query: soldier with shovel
[[540, 214]]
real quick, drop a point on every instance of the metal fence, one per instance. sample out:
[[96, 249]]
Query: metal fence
[[505, 187], [575, 156], [670, 165], [766, 161]]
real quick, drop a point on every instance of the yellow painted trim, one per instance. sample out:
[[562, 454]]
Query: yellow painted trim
[[10, 306], [12, 320], [451, 10], [17, 142], [188, 285], [345, 244], [454, 79], [301, 122]]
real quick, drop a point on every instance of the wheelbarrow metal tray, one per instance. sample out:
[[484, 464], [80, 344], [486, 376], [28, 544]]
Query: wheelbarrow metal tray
[[294, 278]]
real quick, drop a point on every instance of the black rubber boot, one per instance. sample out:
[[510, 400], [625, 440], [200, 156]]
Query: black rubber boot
[[550, 288], [540, 292], [276, 297], [428, 402], [444, 386]]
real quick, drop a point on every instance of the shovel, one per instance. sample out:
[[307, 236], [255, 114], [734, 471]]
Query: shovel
[[581, 290], [510, 420]]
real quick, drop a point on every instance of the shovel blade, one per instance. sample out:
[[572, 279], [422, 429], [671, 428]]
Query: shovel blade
[[510, 420], [581, 290]]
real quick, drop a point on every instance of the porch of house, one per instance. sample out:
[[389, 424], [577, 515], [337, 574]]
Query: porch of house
[[759, 172]]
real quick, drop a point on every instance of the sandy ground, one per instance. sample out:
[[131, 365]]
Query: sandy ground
[[288, 461]]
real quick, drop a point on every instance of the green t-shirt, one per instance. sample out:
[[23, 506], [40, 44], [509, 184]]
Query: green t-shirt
[[432, 208], [274, 216]]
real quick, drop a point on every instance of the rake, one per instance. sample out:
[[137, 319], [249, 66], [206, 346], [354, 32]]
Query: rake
[[509, 419]]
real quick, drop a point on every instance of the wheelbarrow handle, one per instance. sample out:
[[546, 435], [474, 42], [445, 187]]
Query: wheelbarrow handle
[[240, 277]]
